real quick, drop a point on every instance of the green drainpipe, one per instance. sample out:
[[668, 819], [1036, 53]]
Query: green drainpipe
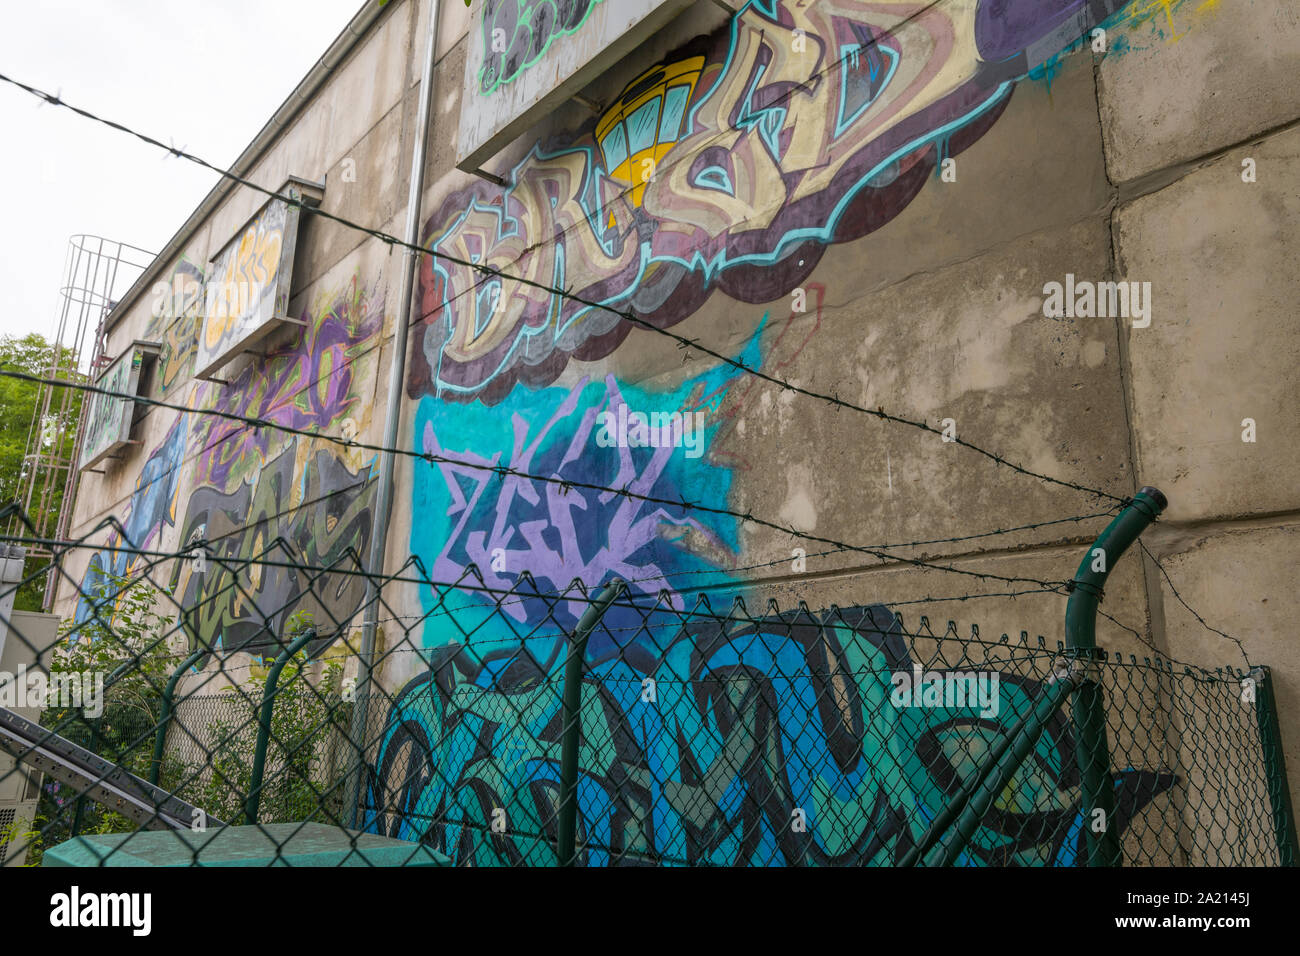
[[264, 723], [165, 716], [1092, 747], [566, 842]]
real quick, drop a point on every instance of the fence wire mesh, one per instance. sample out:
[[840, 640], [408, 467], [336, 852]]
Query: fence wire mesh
[[709, 734]]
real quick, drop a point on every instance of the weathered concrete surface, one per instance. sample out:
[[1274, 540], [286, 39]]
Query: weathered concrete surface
[[1242, 583], [970, 343], [1229, 73], [938, 314], [362, 186], [1040, 168], [1224, 340]]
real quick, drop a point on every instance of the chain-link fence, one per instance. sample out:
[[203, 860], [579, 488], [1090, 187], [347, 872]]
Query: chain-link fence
[[692, 734]]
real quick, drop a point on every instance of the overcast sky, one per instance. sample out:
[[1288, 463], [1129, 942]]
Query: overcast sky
[[204, 74]]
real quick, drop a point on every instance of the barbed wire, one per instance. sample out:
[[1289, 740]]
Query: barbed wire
[[1191, 610], [190, 547], [504, 471], [523, 590], [879, 552], [682, 342]]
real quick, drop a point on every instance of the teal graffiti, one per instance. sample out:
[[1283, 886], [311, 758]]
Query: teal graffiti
[[769, 743]]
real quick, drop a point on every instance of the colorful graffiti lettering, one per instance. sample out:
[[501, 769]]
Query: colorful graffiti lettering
[[510, 526], [175, 322], [747, 725], [310, 384], [517, 33], [731, 167], [109, 416], [260, 495], [245, 282], [151, 509], [315, 513]]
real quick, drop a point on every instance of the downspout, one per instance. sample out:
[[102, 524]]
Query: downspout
[[392, 419]]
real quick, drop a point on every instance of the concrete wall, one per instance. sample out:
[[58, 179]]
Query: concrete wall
[[886, 235]]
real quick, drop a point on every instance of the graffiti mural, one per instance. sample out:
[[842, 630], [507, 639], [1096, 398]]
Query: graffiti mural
[[316, 514], [747, 731], [509, 526], [151, 509], [260, 494], [108, 419], [175, 322], [247, 291], [730, 167], [517, 33]]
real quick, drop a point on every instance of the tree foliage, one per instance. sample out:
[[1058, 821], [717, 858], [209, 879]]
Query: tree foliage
[[55, 435]]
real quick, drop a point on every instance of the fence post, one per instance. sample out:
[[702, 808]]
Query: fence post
[[165, 715], [1279, 792], [109, 681], [567, 835], [254, 799], [1092, 746], [987, 785], [80, 811]]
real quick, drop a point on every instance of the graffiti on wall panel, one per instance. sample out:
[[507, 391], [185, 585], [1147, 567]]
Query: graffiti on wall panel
[[509, 526], [746, 728], [256, 496], [175, 322], [309, 385], [517, 33], [151, 508], [730, 167], [315, 513], [108, 417], [248, 284], [262, 497]]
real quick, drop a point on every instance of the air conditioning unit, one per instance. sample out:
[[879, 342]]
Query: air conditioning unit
[[20, 785], [19, 790]]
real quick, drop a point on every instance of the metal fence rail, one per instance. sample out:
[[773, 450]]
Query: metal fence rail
[[708, 734]]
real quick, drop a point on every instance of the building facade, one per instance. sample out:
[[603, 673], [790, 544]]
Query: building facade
[[1064, 236]]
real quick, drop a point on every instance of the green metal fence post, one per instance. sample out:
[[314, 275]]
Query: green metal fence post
[[949, 849], [109, 681], [945, 817], [567, 836], [1279, 792], [979, 791], [254, 798], [1092, 745], [79, 812], [165, 715]]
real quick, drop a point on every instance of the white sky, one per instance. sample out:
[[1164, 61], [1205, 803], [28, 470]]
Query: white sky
[[204, 74]]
